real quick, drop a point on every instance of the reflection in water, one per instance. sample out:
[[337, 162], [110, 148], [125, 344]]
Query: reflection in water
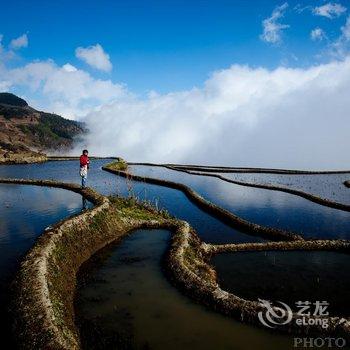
[[125, 302], [129, 296], [85, 203], [264, 207], [261, 206], [68, 171], [175, 202], [329, 186], [25, 213]]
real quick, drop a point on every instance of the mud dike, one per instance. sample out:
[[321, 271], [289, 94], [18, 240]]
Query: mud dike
[[45, 284]]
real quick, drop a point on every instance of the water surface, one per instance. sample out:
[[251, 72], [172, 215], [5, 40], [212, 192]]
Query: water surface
[[25, 213], [265, 207], [126, 298], [125, 302], [207, 227], [288, 276], [328, 186]]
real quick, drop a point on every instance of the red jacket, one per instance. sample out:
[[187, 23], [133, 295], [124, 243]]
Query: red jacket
[[84, 160]]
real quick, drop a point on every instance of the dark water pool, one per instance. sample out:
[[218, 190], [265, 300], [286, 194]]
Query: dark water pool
[[25, 212], [288, 276], [124, 302]]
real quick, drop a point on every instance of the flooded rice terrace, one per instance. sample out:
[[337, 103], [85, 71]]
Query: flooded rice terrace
[[124, 299], [25, 212], [126, 303]]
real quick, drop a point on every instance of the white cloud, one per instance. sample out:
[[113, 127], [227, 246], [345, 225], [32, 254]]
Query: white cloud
[[300, 8], [329, 10], [21, 41], [272, 28], [69, 68], [242, 116], [5, 55], [345, 30], [340, 47], [65, 90], [317, 34], [94, 56]]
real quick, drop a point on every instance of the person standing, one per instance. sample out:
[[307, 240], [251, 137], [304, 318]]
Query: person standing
[[84, 167]]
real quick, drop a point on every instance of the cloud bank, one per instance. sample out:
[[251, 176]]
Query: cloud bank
[[241, 116]]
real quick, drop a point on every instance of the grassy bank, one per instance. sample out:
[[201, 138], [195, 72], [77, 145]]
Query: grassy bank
[[119, 164]]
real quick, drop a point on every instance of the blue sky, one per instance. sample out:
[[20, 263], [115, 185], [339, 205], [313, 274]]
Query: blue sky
[[250, 83], [166, 45]]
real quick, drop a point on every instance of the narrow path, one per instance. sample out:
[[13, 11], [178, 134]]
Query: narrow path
[[223, 169]]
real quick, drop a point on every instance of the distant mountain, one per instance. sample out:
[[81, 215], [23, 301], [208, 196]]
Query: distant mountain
[[24, 128]]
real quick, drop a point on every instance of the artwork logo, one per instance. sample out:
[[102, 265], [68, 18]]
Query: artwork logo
[[274, 315]]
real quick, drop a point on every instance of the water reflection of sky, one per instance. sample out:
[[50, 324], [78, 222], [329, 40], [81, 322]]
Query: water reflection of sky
[[328, 186], [25, 212], [67, 171], [265, 207], [209, 228]]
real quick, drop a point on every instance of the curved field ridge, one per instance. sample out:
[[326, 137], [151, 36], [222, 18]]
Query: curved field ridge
[[309, 196], [88, 193], [45, 284], [337, 244], [225, 169], [216, 211], [40, 319], [208, 171], [186, 269], [188, 266], [62, 158]]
